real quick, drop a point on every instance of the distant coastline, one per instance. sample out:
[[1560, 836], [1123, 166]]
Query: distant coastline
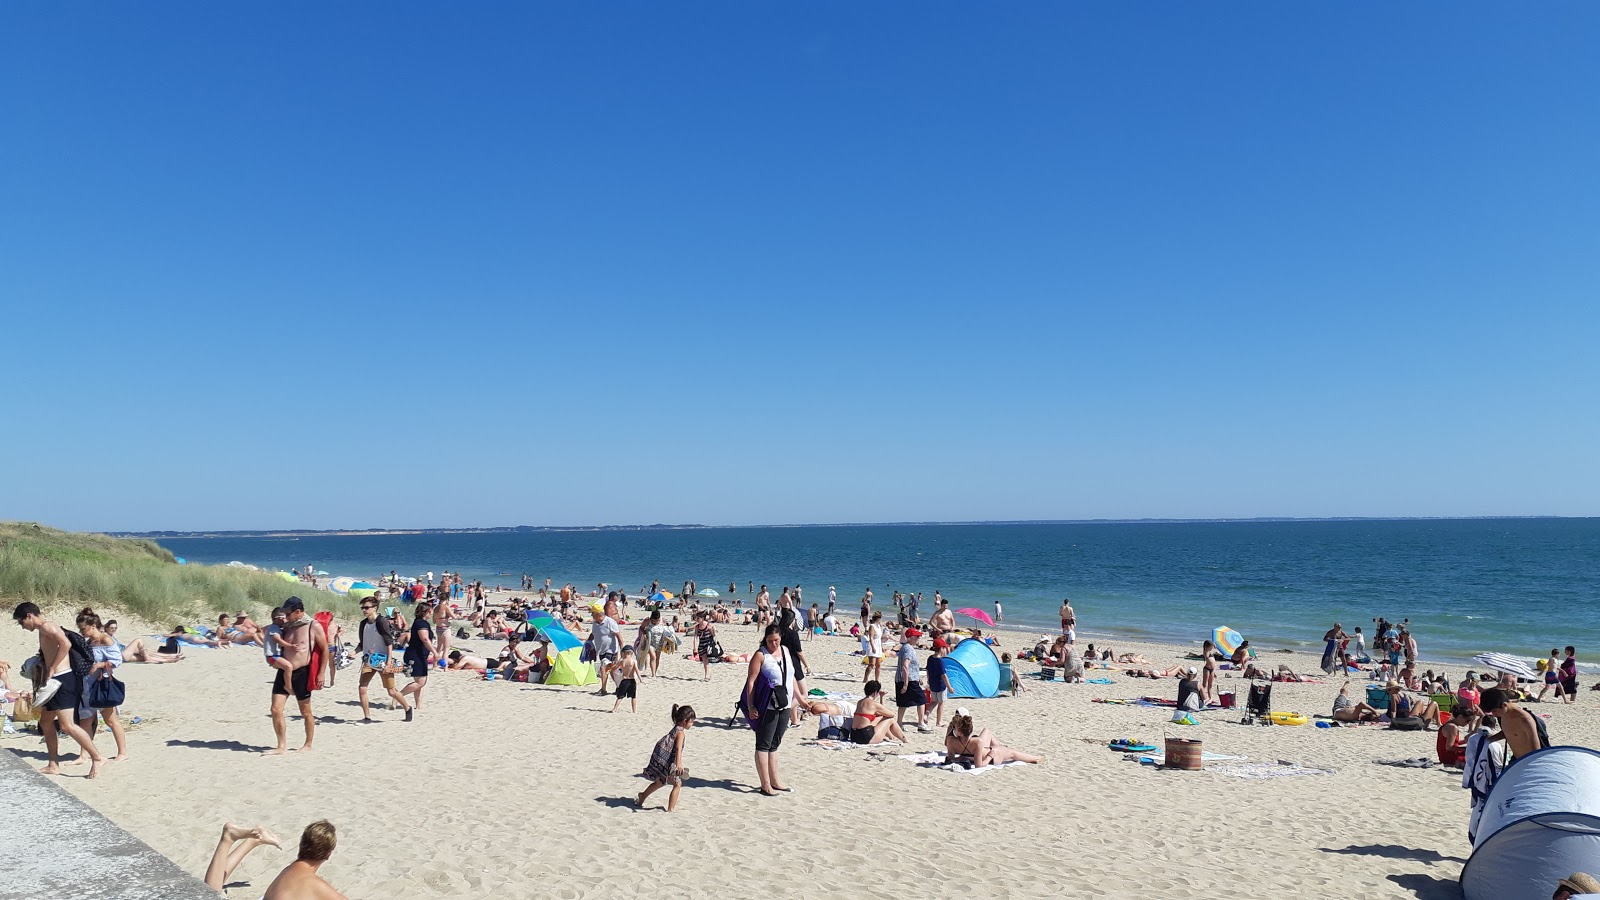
[[533, 529]]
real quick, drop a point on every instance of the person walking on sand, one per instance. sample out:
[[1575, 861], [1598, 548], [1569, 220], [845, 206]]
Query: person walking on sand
[[375, 642], [301, 638], [107, 659], [1552, 677], [998, 615], [1069, 621], [63, 667], [1569, 674], [421, 654], [627, 669], [300, 879], [908, 693], [873, 639], [606, 635], [666, 760]]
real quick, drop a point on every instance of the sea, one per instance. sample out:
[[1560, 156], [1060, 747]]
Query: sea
[[1467, 586]]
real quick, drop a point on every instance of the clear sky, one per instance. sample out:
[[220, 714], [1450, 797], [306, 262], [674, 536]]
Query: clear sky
[[406, 264]]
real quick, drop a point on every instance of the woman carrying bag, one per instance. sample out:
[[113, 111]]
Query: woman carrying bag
[[102, 692], [770, 689]]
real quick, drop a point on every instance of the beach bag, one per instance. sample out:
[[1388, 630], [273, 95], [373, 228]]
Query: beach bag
[[587, 654], [107, 693], [1406, 723], [79, 654]]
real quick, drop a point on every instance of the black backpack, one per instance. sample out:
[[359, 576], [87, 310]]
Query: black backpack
[[79, 654]]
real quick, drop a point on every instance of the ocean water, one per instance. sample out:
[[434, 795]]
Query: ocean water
[[1515, 585]]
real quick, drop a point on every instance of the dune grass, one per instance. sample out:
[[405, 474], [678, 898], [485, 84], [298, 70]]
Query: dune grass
[[134, 577]]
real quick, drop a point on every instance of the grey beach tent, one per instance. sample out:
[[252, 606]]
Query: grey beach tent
[[1540, 823]]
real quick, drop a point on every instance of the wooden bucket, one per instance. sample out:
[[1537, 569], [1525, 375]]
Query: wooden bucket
[[1183, 753]]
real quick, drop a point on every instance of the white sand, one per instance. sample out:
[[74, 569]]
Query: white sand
[[511, 790]]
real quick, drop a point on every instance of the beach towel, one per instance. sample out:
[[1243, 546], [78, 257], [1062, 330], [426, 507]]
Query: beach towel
[[1330, 656], [1156, 759], [828, 744], [1100, 681], [934, 760], [322, 620], [1416, 763]]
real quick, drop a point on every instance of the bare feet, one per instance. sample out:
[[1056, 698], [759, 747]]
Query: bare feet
[[94, 770], [266, 837], [234, 832], [279, 751], [120, 757], [305, 749], [639, 800], [51, 769]]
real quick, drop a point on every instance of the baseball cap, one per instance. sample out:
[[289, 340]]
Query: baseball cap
[[294, 603], [913, 633], [940, 644], [1193, 671]]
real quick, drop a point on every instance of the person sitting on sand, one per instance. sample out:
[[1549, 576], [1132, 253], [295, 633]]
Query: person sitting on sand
[[299, 880], [462, 661], [516, 661], [1071, 665], [981, 749], [833, 719], [1451, 745], [1403, 705], [494, 626], [1241, 656], [873, 721], [1347, 710], [233, 846]]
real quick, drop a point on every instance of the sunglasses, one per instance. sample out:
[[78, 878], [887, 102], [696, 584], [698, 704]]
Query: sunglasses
[[367, 606]]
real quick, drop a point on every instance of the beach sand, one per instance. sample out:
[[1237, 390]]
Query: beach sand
[[512, 790]]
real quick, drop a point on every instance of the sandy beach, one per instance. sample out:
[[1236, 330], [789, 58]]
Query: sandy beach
[[515, 790]]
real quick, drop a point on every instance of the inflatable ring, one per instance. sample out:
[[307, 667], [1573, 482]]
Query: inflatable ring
[[1288, 718]]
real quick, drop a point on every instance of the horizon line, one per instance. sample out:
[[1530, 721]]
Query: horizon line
[[470, 529]]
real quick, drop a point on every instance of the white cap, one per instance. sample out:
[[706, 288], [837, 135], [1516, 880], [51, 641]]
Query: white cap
[[963, 711]]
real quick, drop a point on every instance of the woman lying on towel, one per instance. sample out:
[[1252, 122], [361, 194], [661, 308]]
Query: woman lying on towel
[[982, 749], [459, 660]]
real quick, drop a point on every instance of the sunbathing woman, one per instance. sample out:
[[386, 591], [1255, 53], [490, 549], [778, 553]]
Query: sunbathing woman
[[1169, 672], [873, 721], [136, 651], [1134, 659], [1347, 710], [982, 749]]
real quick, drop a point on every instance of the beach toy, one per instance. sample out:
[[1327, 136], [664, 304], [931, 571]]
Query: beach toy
[[488, 675], [1124, 745], [1540, 823], [1288, 718]]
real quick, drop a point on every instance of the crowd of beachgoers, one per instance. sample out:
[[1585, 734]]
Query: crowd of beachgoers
[[412, 630]]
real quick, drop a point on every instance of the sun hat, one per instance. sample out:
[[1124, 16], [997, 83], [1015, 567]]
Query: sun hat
[[1393, 685], [1580, 883]]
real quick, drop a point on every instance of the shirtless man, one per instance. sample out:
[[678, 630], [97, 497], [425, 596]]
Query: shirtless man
[[301, 637], [299, 880], [1068, 620], [60, 709], [1518, 728], [944, 621]]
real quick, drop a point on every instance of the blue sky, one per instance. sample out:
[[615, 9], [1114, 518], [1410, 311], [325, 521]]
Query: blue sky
[[393, 264]]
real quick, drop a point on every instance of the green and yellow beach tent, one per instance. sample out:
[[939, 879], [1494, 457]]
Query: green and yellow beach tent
[[565, 650]]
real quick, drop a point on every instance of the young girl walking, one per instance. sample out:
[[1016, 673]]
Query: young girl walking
[[666, 761]]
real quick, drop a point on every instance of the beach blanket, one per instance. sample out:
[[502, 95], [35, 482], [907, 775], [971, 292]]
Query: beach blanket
[[827, 744], [1279, 769], [1100, 681], [934, 760], [1156, 759], [1415, 763]]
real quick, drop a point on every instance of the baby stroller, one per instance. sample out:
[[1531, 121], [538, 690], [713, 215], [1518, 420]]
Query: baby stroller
[[1259, 705]]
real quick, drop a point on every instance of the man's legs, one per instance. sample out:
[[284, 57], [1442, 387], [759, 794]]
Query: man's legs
[[63, 722], [366, 679], [47, 726], [233, 846], [310, 720], [280, 725]]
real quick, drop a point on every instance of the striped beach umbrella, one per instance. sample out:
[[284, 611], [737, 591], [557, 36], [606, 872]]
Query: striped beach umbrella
[[1226, 639], [1505, 662]]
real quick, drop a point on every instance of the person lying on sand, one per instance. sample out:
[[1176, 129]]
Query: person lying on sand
[[136, 651], [233, 846], [180, 633], [1287, 674], [459, 660], [1169, 672], [981, 749]]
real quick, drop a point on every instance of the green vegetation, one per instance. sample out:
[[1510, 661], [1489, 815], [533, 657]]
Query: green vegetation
[[133, 577]]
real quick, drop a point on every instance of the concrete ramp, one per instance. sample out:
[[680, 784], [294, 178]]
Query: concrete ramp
[[58, 847]]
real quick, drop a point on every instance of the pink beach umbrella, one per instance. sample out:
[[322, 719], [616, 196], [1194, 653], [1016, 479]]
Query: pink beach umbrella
[[973, 612]]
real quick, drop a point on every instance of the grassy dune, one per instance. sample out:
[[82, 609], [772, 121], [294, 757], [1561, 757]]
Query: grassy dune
[[132, 577]]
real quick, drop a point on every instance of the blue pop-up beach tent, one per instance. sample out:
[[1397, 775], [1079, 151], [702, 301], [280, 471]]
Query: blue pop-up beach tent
[[1540, 823], [973, 670]]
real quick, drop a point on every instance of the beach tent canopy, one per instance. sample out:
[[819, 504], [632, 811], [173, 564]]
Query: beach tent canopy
[[568, 670], [561, 640], [1540, 823], [973, 670]]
